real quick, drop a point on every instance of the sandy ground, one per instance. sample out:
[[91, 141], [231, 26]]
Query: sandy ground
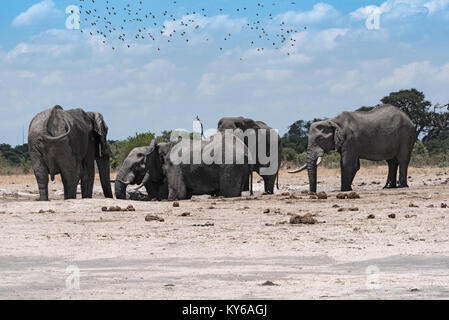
[[227, 248]]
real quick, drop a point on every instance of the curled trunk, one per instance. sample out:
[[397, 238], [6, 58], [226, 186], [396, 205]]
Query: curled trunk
[[121, 184], [120, 189], [312, 171]]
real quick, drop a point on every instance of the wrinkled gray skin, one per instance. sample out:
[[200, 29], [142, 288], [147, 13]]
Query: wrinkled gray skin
[[67, 142], [384, 133], [245, 124], [133, 171], [185, 180]]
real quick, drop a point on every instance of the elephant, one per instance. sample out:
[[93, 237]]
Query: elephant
[[245, 124], [179, 180], [134, 170], [68, 142], [384, 133]]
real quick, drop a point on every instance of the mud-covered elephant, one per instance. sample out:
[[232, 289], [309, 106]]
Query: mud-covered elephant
[[182, 177], [134, 170], [68, 142], [384, 133], [245, 124]]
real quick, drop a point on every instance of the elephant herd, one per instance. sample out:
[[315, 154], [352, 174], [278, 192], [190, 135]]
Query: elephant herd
[[69, 142]]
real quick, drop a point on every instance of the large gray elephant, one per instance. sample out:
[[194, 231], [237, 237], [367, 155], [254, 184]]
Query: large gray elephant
[[384, 133], [245, 124], [134, 170], [177, 180], [68, 142]]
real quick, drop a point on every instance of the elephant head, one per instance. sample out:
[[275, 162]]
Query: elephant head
[[132, 171], [324, 136], [100, 130]]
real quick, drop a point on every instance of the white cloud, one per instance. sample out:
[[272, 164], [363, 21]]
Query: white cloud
[[37, 12], [416, 74], [319, 13], [400, 8], [194, 22], [324, 40], [436, 5]]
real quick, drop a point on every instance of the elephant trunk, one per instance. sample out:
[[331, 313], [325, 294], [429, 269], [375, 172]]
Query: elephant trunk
[[121, 183], [313, 161], [103, 164], [120, 189]]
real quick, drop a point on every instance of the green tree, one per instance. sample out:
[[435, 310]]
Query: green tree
[[365, 108], [297, 135], [415, 105]]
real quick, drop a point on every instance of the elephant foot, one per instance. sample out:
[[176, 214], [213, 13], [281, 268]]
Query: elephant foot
[[403, 186], [390, 185], [343, 189]]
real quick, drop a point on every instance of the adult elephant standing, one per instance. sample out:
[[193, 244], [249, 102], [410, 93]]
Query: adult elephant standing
[[384, 133], [246, 124], [67, 142]]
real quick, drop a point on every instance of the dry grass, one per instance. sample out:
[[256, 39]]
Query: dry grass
[[372, 170], [324, 172], [30, 179]]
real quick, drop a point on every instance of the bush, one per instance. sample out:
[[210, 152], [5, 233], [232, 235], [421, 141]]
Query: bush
[[289, 155]]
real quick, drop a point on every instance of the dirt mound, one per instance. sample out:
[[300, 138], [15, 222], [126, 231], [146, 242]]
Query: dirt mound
[[306, 219], [150, 217], [350, 195], [118, 209]]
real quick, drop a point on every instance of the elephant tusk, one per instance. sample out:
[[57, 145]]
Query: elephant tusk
[[318, 162], [299, 170], [139, 187]]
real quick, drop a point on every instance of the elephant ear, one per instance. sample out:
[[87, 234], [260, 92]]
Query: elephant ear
[[154, 163], [101, 130], [339, 135]]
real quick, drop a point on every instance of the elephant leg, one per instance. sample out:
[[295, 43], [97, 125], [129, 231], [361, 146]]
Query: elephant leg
[[404, 161], [87, 179], [392, 173], [230, 188], [403, 168], [349, 167], [269, 182], [176, 186], [70, 179], [41, 174], [246, 185]]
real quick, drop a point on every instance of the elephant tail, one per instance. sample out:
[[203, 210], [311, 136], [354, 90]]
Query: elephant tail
[[251, 183], [52, 118], [277, 180]]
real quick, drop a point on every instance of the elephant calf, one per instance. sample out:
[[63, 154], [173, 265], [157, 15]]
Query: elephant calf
[[67, 142], [384, 133]]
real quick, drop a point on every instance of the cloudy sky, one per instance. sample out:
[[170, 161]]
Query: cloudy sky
[[333, 60]]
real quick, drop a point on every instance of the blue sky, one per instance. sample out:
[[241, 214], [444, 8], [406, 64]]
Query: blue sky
[[336, 63]]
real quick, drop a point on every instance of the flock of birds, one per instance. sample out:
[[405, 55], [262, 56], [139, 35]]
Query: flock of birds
[[132, 22]]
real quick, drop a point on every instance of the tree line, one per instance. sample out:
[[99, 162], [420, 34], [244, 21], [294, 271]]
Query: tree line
[[431, 149]]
